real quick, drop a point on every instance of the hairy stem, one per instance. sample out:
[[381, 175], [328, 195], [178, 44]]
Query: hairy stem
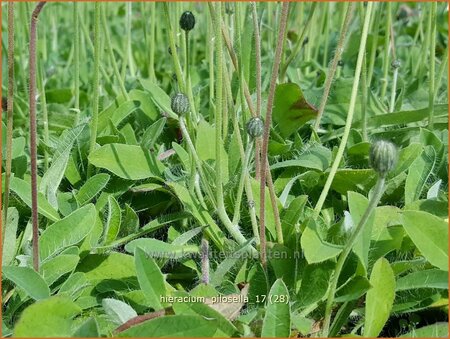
[[377, 193], [267, 124], [33, 134], [394, 90], [351, 111], [76, 61], [205, 261], [9, 112], [96, 83], [387, 37], [334, 64], [244, 173], [431, 90], [151, 70]]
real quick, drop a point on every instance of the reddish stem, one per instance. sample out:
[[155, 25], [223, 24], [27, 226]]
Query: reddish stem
[[33, 133]]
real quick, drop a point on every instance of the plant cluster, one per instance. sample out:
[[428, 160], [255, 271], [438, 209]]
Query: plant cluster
[[225, 169]]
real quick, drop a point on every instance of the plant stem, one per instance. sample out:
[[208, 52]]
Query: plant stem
[[173, 48], [299, 43], [377, 193], [373, 51], [387, 37], [244, 173], [9, 112], [205, 261], [33, 134], [129, 48], [258, 83], [267, 124], [96, 83], [273, 201], [431, 89], [351, 111], [151, 70], [41, 89], [111, 55], [334, 64], [76, 43], [394, 90]]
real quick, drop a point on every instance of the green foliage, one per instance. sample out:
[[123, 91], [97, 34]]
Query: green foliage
[[123, 214]]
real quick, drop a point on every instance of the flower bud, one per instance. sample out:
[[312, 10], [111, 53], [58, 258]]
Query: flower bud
[[187, 21], [396, 64], [255, 127], [383, 156], [180, 104]]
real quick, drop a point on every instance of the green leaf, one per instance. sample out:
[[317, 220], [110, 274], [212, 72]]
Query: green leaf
[[160, 249], [315, 157], [127, 161], [88, 329], [317, 275], [423, 279], [113, 220], [9, 242], [430, 234], [53, 176], [379, 299], [291, 110], [91, 188], [224, 327], [172, 326], [159, 97], [352, 289], [277, 321], [116, 116], [56, 267], [353, 180], [113, 266], [205, 135], [358, 204], [437, 330], [315, 248], [152, 133], [28, 280], [23, 190], [47, 318], [150, 278], [118, 311], [67, 232], [418, 174], [270, 220]]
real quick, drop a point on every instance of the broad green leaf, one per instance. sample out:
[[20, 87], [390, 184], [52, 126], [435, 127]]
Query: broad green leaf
[[112, 266], [91, 188], [51, 317], [352, 289], [28, 280], [113, 220], [67, 232], [172, 326], [150, 278], [152, 133], [192, 206], [53, 176], [23, 190], [346, 180], [56, 267], [358, 204], [315, 157], [277, 321], [9, 242], [379, 299], [430, 234], [317, 275], [74, 285], [315, 248], [88, 329], [119, 114], [406, 157], [160, 249], [437, 330], [205, 135], [127, 161], [423, 279], [291, 110], [118, 311], [18, 147], [159, 97], [224, 327], [418, 174]]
